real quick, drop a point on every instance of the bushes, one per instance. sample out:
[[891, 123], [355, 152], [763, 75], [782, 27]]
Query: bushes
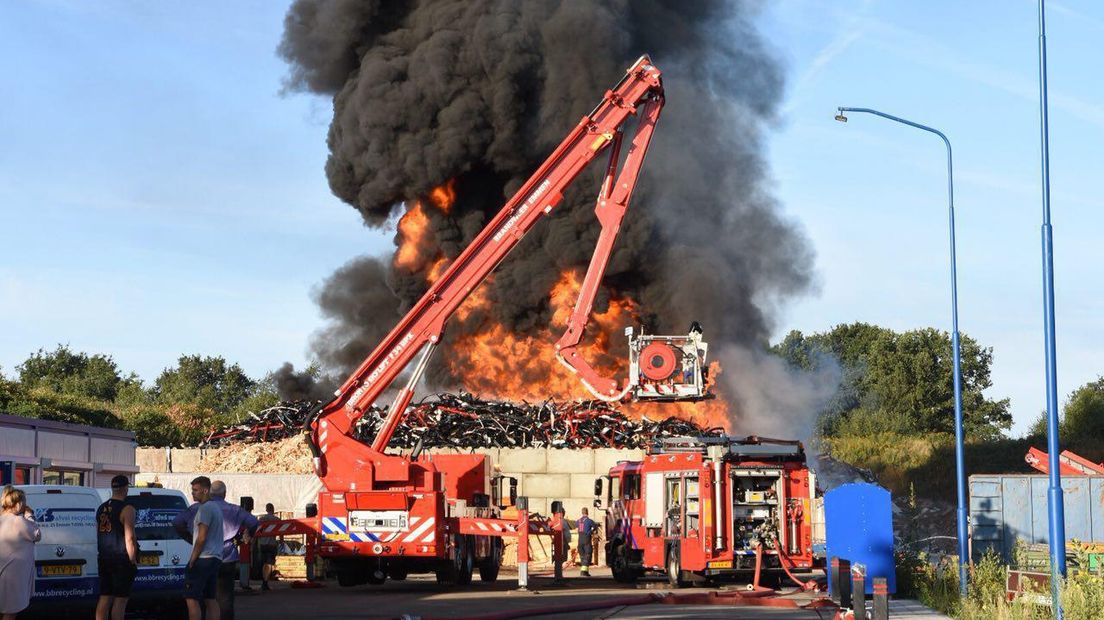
[[936, 585]]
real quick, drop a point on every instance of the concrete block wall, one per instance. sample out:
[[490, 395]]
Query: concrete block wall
[[544, 474]]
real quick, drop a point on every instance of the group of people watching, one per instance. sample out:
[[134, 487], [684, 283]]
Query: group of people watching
[[214, 526]]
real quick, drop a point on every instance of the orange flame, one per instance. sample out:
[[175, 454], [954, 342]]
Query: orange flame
[[414, 230], [494, 362], [444, 196], [497, 363]]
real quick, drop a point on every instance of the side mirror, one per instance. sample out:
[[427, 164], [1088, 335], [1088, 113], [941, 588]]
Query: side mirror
[[312, 510], [598, 487], [513, 491]]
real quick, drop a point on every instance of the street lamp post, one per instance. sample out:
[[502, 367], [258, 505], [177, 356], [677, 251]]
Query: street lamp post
[[1055, 502], [960, 465]]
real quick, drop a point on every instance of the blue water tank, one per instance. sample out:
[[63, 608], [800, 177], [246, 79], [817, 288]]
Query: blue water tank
[[858, 523]]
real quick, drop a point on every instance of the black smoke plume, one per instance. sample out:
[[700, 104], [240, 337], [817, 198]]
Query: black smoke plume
[[480, 91]]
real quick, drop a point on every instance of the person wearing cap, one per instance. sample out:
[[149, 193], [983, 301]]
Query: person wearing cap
[[118, 551]]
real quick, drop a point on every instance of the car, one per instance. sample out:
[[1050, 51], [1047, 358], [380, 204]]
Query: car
[[66, 574]]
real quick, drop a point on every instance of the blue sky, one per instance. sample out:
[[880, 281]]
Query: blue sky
[[160, 196]]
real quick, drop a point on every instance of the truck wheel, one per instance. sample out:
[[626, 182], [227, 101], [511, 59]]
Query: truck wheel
[[675, 575], [619, 564], [450, 572], [398, 574], [348, 577], [488, 568], [467, 564]]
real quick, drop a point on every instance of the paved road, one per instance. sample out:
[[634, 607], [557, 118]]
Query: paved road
[[420, 596]]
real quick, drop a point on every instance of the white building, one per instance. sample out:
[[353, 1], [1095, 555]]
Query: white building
[[48, 452]]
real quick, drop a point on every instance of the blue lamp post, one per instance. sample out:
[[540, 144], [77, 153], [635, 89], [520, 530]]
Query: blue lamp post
[[1055, 502], [960, 465]]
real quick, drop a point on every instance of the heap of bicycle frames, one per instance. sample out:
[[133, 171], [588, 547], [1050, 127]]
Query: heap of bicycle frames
[[465, 421]]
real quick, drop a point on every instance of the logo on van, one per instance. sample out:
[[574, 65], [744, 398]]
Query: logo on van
[[60, 551]]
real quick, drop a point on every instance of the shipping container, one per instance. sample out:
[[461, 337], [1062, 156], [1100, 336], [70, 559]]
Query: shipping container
[[1007, 508]]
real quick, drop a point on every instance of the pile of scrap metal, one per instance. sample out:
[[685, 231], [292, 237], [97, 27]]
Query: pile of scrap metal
[[465, 421]]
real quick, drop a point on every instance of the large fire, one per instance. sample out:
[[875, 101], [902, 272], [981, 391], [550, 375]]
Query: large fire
[[494, 362]]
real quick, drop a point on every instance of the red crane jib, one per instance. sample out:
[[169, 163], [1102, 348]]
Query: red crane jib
[[340, 460]]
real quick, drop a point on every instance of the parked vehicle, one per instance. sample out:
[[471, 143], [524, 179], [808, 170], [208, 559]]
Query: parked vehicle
[[162, 554], [65, 559]]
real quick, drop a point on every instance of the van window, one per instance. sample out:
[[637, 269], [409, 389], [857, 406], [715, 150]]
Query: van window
[[154, 515]]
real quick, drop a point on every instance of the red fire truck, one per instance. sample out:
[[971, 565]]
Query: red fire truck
[[386, 515], [709, 509]]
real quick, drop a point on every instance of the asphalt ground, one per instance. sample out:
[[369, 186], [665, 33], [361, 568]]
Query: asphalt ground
[[421, 597]]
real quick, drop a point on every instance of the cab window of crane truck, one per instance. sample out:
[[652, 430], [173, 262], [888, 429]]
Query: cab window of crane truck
[[631, 490]]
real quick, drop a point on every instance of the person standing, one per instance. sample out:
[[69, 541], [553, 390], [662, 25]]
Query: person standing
[[117, 548], [267, 547], [203, 565], [585, 526], [236, 521], [18, 534]]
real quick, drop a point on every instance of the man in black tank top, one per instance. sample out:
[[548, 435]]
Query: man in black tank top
[[118, 551]]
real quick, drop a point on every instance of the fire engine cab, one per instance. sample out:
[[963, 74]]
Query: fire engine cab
[[709, 508]]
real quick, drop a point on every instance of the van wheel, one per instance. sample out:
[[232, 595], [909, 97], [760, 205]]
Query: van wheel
[[676, 577]]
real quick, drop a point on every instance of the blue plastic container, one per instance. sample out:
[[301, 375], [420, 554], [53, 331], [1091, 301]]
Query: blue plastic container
[[858, 523]]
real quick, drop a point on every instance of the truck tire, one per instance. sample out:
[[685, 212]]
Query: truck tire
[[619, 564], [451, 572], [397, 574], [348, 577], [676, 577], [488, 568], [467, 565]]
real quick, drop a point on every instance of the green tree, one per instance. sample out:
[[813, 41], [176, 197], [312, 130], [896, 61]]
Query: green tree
[[1080, 423], [899, 382], [206, 382], [67, 372], [46, 404]]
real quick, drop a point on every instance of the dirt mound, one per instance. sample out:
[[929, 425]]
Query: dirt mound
[[286, 456]]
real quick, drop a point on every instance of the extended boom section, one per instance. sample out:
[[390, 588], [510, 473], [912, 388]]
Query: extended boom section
[[341, 459]]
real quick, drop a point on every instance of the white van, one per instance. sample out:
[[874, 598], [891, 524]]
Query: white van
[[65, 558], [162, 555]]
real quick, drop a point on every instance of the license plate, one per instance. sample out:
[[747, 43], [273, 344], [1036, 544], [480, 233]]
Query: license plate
[[721, 564], [148, 560], [60, 570]]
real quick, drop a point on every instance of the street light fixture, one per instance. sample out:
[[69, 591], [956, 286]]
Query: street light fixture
[[960, 465], [1056, 511]]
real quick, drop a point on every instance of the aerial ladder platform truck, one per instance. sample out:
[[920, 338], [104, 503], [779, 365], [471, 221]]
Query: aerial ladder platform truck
[[386, 515]]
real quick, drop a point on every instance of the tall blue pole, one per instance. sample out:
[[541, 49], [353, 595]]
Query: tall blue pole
[[960, 462], [1055, 502]]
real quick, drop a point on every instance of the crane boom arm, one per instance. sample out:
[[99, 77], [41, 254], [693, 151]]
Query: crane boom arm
[[639, 93]]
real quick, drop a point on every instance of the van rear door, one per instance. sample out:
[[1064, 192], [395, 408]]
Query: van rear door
[[163, 555], [65, 557]]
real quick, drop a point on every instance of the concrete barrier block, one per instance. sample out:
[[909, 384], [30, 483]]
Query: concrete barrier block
[[555, 486], [570, 461], [185, 460], [582, 486], [523, 460], [151, 460], [605, 458]]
